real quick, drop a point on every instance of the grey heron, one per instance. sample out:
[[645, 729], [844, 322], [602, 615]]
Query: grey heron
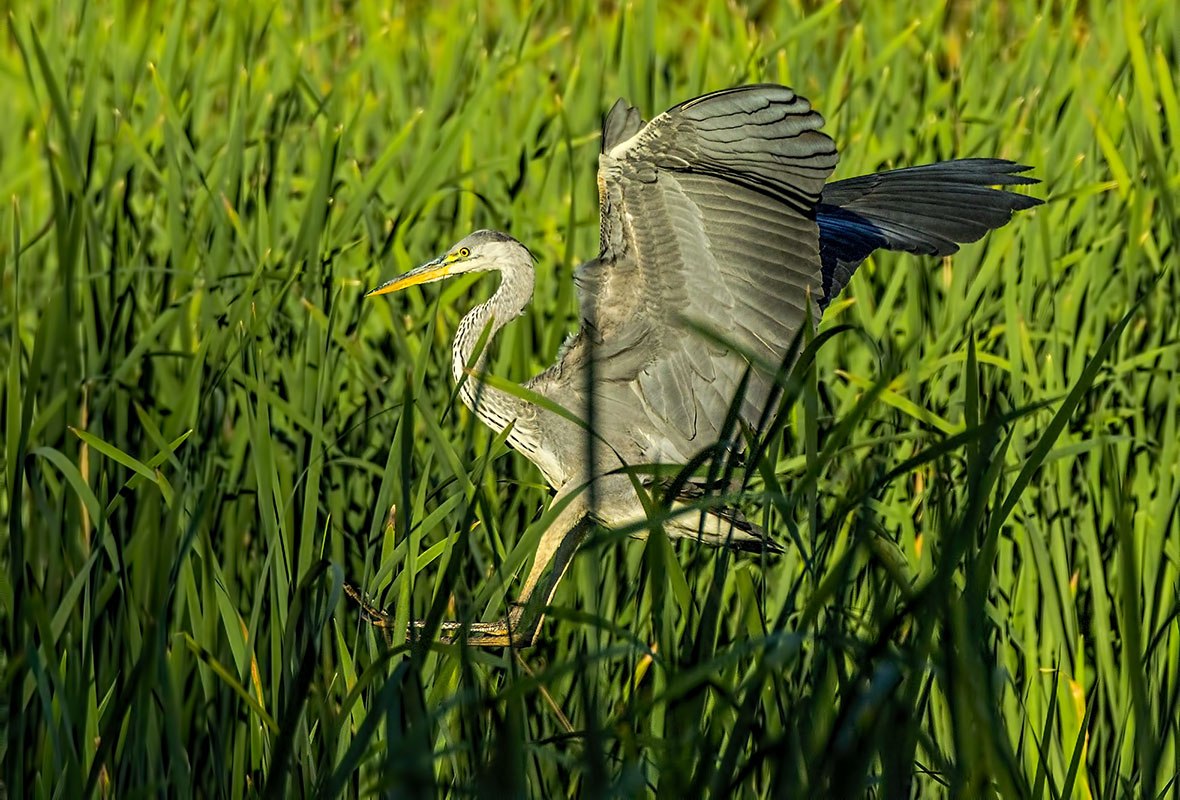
[[716, 213]]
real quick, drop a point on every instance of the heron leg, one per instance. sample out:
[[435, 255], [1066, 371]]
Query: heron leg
[[555, 551]]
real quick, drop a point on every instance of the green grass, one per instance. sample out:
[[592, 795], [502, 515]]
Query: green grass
[[207, 432]]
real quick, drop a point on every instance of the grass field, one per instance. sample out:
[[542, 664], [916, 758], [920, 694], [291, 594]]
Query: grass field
[[207, 432]]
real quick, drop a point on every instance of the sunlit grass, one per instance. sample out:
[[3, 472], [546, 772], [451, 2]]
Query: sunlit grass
[[207, 432]]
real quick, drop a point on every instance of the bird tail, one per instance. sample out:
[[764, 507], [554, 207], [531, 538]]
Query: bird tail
[[929, 210], [722, 526]]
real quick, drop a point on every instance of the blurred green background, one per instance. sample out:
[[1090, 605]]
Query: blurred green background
[[207, 432]]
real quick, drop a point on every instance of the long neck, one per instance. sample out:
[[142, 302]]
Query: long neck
[[494, 407]]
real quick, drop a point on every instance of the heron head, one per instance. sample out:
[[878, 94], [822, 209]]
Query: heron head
[[476, 252]]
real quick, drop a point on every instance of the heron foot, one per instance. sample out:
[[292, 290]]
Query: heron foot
[[511, 631], [507, 632]]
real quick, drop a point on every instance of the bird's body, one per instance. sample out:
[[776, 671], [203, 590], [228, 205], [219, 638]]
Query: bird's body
[[715, 216]]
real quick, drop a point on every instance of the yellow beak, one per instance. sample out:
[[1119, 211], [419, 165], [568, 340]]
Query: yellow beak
[[423, 274]]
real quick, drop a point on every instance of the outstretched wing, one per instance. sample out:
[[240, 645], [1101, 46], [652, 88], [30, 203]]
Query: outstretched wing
[[929, 210], [707, 219]]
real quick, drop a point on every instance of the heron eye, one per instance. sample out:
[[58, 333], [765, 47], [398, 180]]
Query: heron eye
[[464, 252]]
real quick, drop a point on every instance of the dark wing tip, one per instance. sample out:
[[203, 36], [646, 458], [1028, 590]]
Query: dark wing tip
[[927, 210]]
